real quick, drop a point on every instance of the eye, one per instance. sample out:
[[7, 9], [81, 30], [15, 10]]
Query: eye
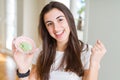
[[60, 19], [49, 24]]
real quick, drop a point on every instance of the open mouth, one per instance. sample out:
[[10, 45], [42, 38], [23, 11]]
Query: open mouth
[[59, 34]]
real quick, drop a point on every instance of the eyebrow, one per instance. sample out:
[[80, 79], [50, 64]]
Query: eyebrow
[[56, 18], [47, 22], [60, 16]]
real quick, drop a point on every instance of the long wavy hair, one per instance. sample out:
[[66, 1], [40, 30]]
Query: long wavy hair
[[72, 53]]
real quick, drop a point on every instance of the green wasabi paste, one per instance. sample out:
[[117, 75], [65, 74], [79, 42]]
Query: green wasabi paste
[[25, 46]]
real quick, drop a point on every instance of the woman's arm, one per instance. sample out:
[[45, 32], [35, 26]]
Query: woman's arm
[[23, 62], [98, 52], [92, 73], [32, 75]]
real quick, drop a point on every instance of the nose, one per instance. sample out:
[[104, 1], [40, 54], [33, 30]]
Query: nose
[[56, 26]]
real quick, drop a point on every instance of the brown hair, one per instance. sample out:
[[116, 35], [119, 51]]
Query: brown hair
[[72, 53]]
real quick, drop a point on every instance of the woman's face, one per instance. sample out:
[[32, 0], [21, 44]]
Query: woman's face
[[57, 25]]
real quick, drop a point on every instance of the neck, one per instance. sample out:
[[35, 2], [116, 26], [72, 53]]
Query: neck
[[61, 46]]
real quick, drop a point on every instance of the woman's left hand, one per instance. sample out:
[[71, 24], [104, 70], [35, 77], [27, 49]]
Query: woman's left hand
[[98, 52]]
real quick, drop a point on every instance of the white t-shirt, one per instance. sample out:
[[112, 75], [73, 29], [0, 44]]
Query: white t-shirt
[[62, 75]]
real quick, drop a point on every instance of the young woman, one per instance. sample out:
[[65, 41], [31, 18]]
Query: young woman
[[63, 56]]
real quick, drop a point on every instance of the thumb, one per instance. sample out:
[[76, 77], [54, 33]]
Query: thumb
[[34, 51], [13, 45]]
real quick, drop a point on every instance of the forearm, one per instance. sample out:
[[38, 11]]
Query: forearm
[[93, 72], [98, 52]]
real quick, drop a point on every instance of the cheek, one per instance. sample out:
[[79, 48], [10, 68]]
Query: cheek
[[65, 24], [68, 30], [67, 27], [50, 31]]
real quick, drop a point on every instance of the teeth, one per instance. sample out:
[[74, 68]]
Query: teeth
[[60, 32]]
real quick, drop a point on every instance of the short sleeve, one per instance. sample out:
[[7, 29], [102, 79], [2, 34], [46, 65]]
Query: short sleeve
[[85, 57]]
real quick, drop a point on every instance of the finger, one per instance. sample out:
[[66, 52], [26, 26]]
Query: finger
[[96, 49], [16, 51], [102, 46], [100, 43], [98, 46], [13, 45], [34, 51]]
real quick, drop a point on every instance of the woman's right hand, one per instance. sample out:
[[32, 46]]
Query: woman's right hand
[[23, 61]]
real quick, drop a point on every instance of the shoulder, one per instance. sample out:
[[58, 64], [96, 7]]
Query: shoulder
[[85, 56], [86, 50]]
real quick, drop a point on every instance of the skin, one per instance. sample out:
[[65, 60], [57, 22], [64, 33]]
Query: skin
[[58, 28]]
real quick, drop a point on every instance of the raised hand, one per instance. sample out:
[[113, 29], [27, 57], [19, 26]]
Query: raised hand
[[98, 52], [23, 61]]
